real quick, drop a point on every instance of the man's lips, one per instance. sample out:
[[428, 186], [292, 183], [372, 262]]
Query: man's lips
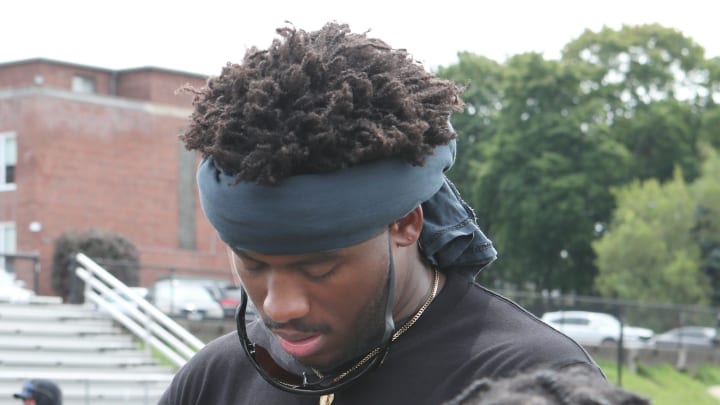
[[299, 345]]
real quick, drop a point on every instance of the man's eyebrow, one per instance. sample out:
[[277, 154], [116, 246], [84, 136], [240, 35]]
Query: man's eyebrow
[[317, 258]]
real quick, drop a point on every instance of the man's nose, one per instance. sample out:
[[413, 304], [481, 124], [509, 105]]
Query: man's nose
[[286, 299]]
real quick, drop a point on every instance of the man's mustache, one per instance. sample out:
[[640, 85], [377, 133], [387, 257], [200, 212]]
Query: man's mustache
[[298, 325]]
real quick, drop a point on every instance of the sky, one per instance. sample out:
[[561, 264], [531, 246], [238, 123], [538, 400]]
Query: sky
[[202, 36]]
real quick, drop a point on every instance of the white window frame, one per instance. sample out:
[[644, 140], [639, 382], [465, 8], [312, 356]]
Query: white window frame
[[83, 84], [4, 136], [7, 245]]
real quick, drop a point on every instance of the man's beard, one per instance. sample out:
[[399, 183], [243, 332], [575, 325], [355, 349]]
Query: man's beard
[[370, 327]]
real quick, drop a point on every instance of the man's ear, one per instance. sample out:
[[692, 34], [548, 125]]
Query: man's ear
[[406, 230]]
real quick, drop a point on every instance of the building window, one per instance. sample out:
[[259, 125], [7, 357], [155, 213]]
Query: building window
[[187, 194], [8, 244], [8, 160], [83, 84]]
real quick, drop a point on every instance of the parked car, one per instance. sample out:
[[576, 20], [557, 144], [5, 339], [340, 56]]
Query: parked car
[[597, 328], [230, 299], [179, 298], [213, 285], [687, 336]]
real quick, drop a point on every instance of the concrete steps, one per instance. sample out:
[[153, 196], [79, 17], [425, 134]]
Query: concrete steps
[[58, 312], [93, 360], [76, 328], [95, 343], [125, 359], [103, 389]]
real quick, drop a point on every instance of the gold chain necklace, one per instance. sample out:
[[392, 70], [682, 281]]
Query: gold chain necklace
[[327, 399]]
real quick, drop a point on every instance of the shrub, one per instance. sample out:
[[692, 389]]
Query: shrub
[[112, 251]]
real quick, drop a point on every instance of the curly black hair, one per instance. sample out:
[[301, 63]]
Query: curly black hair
[[570, 386], [319, 101]]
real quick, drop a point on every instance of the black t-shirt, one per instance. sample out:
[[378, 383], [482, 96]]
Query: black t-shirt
[[468, 332]]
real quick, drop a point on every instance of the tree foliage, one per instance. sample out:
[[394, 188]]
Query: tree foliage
[[710, 130], [706, 224], [637, 65], [120, 254], [660, 136], [543, 142], [648, 253], [552, 176], [651, 80], [482, 79]]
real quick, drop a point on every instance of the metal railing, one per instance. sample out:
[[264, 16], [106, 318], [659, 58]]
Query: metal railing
[[135, 313]]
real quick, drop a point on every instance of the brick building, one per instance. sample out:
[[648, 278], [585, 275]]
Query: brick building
[[83, 147]]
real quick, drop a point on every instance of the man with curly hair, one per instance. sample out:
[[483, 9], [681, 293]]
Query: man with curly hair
[[323, 172]]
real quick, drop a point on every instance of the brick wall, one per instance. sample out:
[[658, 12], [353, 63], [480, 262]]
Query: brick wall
[[104, 162], [156, 85], [147, 84], [51, 74]]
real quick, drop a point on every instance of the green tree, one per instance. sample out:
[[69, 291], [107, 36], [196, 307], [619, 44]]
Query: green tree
[[710, 130], [706, 229], [544, 178], [482, 80], [542, 142], [648, 253], [661, 135], [652, 82], [637, 65]]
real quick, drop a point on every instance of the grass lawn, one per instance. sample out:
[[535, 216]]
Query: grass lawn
[[666, 386]]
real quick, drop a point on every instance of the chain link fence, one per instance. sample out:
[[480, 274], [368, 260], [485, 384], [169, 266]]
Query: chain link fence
[[656, 316]]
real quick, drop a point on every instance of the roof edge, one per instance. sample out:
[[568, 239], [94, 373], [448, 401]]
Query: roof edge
[[100, 69]]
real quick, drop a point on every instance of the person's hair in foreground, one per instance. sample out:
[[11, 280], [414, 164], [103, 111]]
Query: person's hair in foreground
[[544, 386], [320, 101]]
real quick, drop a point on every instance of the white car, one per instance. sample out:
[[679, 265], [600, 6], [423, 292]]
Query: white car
[[688, 336], [597, 328], [186, 300]]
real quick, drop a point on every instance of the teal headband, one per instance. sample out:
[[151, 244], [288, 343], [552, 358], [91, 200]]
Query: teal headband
[[318, 212]]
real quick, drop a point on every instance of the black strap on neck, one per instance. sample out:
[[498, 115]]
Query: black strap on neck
[[389, 305]]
